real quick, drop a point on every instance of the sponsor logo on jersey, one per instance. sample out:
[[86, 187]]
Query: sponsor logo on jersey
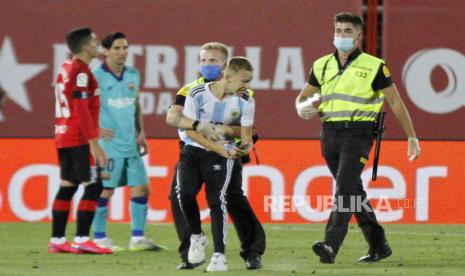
[[121, 102]]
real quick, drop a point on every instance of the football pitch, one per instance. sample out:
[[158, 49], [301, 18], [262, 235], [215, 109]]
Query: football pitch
[[417, 249]]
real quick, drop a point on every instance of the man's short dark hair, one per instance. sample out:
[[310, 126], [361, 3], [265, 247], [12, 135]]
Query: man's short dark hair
[[236, 64], [347, 17], [77, 38], [108, 40]]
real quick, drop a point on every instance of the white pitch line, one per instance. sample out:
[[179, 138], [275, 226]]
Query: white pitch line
[[303, 229]]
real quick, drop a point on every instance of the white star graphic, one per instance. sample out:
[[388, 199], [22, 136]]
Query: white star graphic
[[13, 75]]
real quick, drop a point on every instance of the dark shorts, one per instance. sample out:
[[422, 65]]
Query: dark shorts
[[75, 164]]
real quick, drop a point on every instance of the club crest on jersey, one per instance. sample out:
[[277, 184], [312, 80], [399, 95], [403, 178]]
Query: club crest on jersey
[[234, 113], [131, 86]]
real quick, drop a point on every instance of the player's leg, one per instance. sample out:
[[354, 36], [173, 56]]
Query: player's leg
[[137, 180], [217, 172], [62, 203], [249, 229], [115, 170], [88, 174]]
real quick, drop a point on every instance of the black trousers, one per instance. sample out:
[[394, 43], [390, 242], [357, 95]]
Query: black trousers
[[249, 229], [346, 151]]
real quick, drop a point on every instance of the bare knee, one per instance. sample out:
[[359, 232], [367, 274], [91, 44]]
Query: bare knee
[[140, 191]]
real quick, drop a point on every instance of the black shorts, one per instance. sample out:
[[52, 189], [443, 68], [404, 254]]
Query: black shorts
[[75, 164]]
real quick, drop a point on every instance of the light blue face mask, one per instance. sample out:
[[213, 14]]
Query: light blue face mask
[[344, 44], [210, 72]]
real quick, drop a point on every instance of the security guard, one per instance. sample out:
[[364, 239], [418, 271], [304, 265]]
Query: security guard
[[352, 86]]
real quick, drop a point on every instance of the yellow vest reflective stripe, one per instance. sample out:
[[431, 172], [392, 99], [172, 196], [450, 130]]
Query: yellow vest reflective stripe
[[349, 96]]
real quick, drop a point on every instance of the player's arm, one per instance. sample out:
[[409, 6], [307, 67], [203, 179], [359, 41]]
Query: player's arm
[[310, 88], [141, 138], [80, 96]]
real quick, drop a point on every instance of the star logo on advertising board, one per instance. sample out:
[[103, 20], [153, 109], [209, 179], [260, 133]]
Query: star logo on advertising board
[[13, 75]]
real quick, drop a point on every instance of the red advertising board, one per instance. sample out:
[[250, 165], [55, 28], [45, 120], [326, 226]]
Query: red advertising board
[[281, 38], [291, 184], [426, 54]]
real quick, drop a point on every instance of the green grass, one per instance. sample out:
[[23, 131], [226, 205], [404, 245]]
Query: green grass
[[417, 249]]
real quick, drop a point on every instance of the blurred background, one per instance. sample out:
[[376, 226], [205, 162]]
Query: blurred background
[[420, 40]]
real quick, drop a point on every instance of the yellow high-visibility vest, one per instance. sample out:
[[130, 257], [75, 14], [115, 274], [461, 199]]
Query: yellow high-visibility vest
[[348, 96]]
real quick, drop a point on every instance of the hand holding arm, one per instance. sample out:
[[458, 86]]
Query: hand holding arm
[[217, 147], [106, 133], [97, 152]]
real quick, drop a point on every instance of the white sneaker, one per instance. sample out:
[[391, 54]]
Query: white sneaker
[[218, 263], [108, 243], [196, 252], [144, 244]]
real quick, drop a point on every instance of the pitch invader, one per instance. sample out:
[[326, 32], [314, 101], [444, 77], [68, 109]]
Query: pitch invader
[[123, 140], [213, 59], [214, 162], [76, 136]]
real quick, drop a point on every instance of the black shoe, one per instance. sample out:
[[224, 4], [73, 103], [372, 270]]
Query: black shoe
[[187, 265], [325, 252], [374, 256], [253, 262]]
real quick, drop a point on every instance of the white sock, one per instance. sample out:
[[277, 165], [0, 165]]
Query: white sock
[[61, 240], [196, 236], [137, 238], [80, 239]]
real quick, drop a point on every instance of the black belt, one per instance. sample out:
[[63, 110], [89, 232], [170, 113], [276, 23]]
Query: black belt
[[348, 124]]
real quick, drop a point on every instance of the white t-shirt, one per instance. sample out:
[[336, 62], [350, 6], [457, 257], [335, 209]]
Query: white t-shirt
[[202, 105]]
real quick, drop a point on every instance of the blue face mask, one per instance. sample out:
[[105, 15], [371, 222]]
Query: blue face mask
[[210, 72], [344, 44]]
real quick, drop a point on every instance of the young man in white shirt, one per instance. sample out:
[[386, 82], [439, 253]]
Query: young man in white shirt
[[214, 161]]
